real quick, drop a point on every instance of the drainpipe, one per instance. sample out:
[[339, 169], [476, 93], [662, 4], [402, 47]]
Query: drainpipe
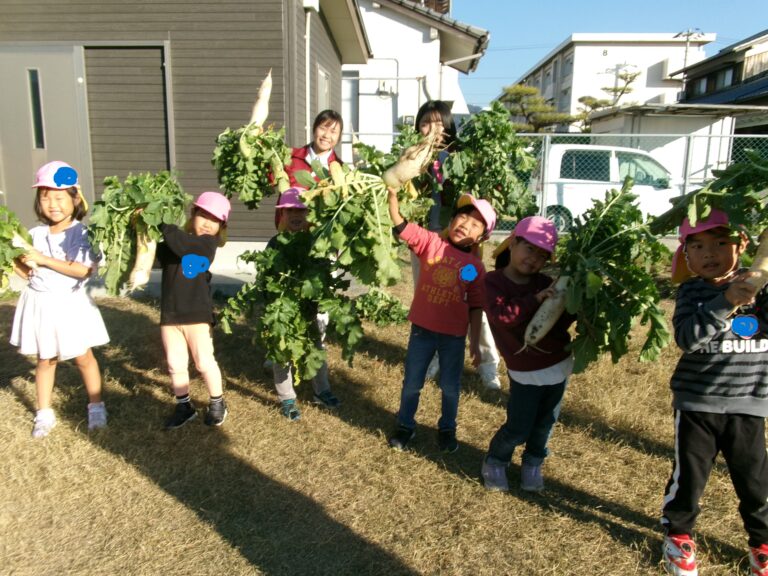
[[454, 61], [309, 6]]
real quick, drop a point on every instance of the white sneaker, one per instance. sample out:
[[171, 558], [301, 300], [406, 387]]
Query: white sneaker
[[680, 555], [45, 421], [531, 479], [97, 415]]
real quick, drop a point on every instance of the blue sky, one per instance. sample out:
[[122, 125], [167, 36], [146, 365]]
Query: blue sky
[[524, 31]]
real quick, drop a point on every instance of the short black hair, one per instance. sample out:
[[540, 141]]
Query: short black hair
[[328, 116], [77, 214], [442, 108]]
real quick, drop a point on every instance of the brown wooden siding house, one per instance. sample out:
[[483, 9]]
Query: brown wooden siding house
[[115, 87]]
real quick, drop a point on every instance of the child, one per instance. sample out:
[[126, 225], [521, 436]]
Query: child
[[537, 376], [719, 389], [186, 305], [438, 112], [55, 318], [326, 132], [447, 299], [291, 215]]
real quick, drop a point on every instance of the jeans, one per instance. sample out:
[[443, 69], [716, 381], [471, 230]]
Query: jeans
[[422, 346], [532, 412]]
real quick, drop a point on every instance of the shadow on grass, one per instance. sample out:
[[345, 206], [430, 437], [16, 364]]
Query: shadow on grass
[[624, 524], [277, 529]]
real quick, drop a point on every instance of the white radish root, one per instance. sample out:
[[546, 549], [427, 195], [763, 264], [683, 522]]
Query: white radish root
[[19, 242], [759, 268], [414, 161], [547, 315], [145, 257], [260, 109]]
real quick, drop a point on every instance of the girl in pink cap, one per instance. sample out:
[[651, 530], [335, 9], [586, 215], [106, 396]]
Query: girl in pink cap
[[719, 389], [55, 318], [537, 376], [186, 305], [291, 216]]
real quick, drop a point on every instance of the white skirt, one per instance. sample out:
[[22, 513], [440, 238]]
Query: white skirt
[[57, 325]]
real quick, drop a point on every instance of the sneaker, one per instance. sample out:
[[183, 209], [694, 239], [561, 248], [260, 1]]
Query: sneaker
[[216, 413], [492, 383], [290, 410], [531, 479], [399, 440], [494, 476], [97, 416], [326, 399], [446, 440], [680, 555], [183, 413], [44, 423], [758, 560]]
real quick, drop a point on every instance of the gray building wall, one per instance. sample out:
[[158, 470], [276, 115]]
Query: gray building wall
[[219, 52]]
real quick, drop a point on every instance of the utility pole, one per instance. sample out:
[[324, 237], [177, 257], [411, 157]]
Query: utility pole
[[688, 34]]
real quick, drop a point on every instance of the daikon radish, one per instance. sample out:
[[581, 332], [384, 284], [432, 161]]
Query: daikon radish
[[547, 315], [145, 257], [260, 109], [19, 242], [414, 161], [759, 267]]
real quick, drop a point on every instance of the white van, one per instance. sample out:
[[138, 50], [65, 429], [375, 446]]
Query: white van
[[572, 175]]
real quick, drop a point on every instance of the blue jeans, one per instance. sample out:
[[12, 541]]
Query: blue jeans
[[422, 346], [531, 414]]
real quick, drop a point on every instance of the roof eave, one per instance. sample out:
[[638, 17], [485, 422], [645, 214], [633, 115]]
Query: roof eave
[[346, 26]]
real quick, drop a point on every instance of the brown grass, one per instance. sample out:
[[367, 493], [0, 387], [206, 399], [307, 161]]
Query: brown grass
[[325, 495]]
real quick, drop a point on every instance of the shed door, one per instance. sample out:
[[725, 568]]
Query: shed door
[[126, 111], [41, 119]]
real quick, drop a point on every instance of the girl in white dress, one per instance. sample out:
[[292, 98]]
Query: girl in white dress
[[55, 318]]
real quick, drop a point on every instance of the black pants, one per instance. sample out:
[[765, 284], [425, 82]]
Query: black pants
[[699, 436]]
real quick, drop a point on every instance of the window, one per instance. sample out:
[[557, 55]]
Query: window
[[567, 68], [323, 89], [643, 170], [36, 102], [724, 78], [586, 165], [699, 86]]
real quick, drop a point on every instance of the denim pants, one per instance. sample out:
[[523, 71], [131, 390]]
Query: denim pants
[[532, 412], [422, 346]]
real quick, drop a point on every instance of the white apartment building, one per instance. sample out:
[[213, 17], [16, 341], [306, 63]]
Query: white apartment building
[[583, 64]]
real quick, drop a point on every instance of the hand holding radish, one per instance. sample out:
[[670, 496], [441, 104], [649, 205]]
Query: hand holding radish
[[741, 291]]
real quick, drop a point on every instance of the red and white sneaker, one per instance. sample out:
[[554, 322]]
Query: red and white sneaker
[[680, 555], [758, 560]]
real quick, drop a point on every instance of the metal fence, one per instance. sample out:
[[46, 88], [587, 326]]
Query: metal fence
[[573, 169]]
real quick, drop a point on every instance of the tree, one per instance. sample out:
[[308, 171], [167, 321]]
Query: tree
[[622, 85], [531, 110]]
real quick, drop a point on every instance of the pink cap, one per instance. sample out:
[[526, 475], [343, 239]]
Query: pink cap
[[291, 198], [487, 212], [537, 230], [716, 219], [57, 175], [215, 204]]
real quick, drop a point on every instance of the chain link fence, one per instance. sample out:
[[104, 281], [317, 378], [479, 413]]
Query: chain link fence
[[573, 169]]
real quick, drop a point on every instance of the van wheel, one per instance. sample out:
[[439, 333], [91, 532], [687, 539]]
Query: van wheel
[[561, 216]]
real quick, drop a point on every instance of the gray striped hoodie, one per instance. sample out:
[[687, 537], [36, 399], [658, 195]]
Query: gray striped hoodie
[[724, 367]]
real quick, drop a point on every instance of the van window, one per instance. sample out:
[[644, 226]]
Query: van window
[[586, 165], [643, 170]]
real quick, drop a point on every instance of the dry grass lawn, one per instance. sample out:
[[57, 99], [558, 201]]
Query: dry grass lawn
[[325, 495]]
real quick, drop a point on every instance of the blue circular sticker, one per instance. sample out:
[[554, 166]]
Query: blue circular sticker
[[65, 176], [192, 265], [745, 325], [468, 273]]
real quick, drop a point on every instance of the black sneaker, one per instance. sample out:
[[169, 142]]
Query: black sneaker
[[446, 440], [326, 399], [216, 413], [183, 413], [399, 440]]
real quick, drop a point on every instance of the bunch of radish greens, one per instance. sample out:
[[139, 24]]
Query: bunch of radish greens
[[350, 235], [125, 225], [606, 264], [14, 242]]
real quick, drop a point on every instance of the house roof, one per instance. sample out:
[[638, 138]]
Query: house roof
[[731, 52], [739, 93], [461, 45], [346, 26], [679, 110]]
